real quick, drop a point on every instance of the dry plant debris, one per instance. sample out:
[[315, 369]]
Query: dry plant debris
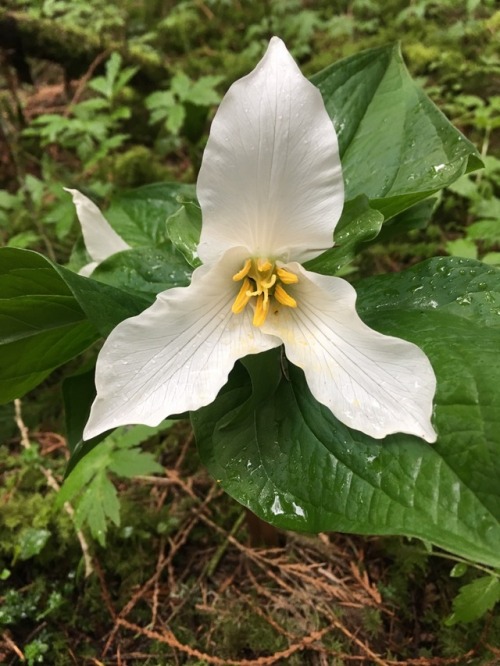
[[212, 598]]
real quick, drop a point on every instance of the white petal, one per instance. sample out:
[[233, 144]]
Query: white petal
[[177, 354], [88, 269], [371, 382], [101, 240], [271, 178]]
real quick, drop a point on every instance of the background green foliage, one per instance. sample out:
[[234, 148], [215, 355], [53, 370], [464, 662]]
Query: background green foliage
[[121, 131]]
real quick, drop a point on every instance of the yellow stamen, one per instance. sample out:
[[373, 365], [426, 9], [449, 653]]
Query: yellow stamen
[[261, 310], [263, 280], [263, 265], [282, 297], [286, 277], [243, 297], [268, 283], [244, 271]]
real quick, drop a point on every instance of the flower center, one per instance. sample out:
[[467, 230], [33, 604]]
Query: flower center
[[262, 280]]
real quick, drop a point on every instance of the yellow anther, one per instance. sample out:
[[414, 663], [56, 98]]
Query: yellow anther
[[286, 277], [263, 265], [282, 297], [261, 310], [243, 297], [244, 271], [262, 280]]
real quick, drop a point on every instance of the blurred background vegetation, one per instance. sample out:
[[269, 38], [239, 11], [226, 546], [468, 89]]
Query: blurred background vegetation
[[108, 96]]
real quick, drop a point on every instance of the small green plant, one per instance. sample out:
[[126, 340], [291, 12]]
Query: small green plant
[[180, 106], [27, 215], [473, 111], [91, 491], [114, 81], [91, 132], [475, 599], [293, 21], [9, 205], [482, 237], [34, 652], [92, 128]]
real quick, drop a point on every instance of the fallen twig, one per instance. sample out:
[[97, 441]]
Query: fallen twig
[[52, 483]]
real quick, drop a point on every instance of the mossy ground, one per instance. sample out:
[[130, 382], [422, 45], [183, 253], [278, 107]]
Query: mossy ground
[[180, 582]]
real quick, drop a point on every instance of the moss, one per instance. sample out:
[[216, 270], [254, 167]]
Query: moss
[[138, 166], [76, 48], [34, 510], [240, 631], [421, 57], [493, 23]]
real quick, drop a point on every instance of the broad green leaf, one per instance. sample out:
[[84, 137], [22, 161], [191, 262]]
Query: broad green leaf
[[359, 223], [8, 428], [25, 272], [184, 229], [140, 216], [291, 462], [145, 270], [104, 305], [42, 325], [475, 599], [464, 288], [78, 395], [396, 146], [415, 217], [49, 315]]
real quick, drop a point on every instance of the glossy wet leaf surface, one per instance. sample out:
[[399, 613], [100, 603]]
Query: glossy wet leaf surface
[[140, 215], [41, 323], [288, 459], [184, 229], [359, 224], [396, 146], [145, 270], [49, 315]]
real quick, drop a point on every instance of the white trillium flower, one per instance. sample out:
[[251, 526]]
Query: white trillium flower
[[271, 192], [101, 240]]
